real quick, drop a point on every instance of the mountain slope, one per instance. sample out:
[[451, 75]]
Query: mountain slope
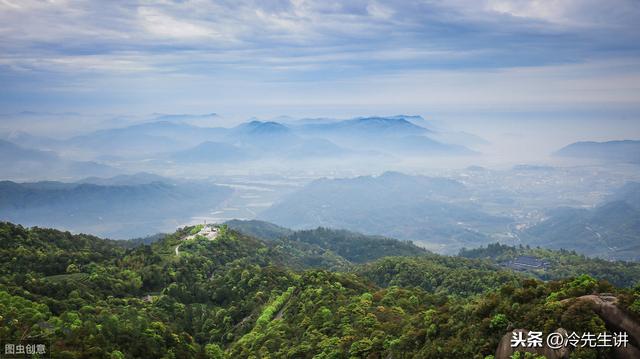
[[629, 193], [259, 229], [125, 180], [18, 162], [13, 152], [431, 211], [610, 230], [612, 151], [354, 247], [211, 152], [146, 138], [373, 126], [393, 135], [121, 211]]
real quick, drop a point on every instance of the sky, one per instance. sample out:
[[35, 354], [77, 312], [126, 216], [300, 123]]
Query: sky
[[460, 59]]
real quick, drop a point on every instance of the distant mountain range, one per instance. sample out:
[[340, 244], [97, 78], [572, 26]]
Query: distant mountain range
[[143, 139], [171, 138], [611, 230], [431, 211], [208, 119], [433, 131], [210, 151], [122, 207], [18, 162], [394, 135], [377, 126], [127, 180], [613, 151]]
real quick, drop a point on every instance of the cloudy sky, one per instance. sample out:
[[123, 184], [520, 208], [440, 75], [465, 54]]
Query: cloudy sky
[[321, 58]]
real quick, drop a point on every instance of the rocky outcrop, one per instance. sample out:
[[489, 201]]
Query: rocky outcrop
[[605, 305]]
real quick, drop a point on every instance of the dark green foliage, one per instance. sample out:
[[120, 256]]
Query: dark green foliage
[[301, 255], [237, 297], [259, 229], [438, 274], [196, 229], [356, 247], [49, 252], [352, 246]]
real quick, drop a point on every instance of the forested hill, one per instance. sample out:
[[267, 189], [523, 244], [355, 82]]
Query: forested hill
[[560, 263], [237, 296], [355, 247]]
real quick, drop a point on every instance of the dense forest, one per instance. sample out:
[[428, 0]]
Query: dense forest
[[309, 294]]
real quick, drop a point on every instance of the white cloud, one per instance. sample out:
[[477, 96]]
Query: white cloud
[[379, 11], [579, 13], [549, 10], [324, 51], [158, 23]]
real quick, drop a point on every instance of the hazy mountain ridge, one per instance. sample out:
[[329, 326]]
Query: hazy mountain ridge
[[611, 230], [172, 139], [18, 162], [377, 126], [392, 134], [132, 179], [617, 151], [433, 211], [114, 210], [213, 152], [208, 119], [10, 151], [143, 139], [630, 193]]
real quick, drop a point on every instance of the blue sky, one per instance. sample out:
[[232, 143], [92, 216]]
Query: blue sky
[[320, 58]]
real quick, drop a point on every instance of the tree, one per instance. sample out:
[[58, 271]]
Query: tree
[[213, 351]]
